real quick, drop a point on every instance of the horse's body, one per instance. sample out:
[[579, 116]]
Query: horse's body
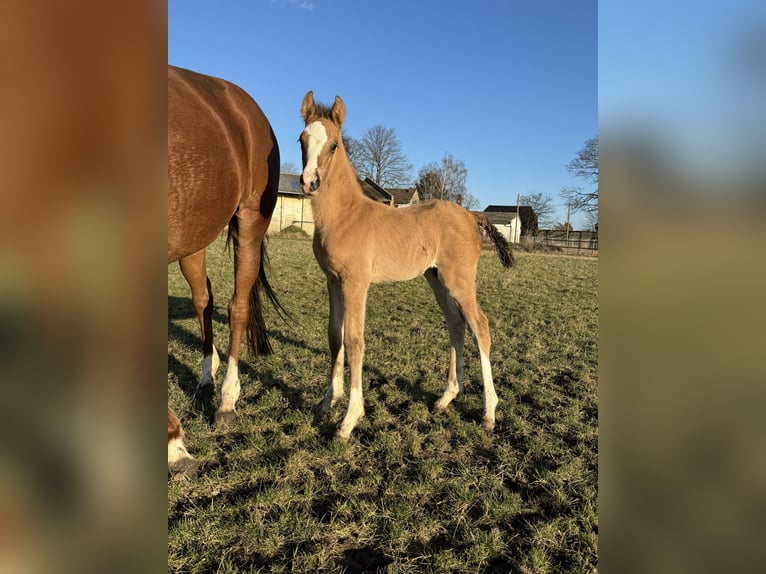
[[223, 168], [359, 241]]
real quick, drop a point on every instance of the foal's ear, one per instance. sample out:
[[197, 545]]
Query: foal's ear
[[338, 111], [308, 107]]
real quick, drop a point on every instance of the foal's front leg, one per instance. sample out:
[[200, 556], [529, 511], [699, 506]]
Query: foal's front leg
[[354, 300], [335, 337]]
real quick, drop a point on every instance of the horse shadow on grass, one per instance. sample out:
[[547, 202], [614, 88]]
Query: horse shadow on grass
[[252, 368], [179, 309], [267, 373]]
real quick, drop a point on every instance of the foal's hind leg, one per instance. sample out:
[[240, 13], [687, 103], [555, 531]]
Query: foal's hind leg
[[462, 286], [456, 328], [194, 270], [335, 337]]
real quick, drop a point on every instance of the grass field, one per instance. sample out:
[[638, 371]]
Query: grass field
[[409, 492]]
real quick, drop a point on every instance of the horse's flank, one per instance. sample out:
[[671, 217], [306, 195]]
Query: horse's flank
[[217, 146]]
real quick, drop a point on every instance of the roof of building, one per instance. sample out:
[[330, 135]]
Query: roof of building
[[402, 196], [374, 191], [290, 184], [525, 212], [509, 209], [499, 218]]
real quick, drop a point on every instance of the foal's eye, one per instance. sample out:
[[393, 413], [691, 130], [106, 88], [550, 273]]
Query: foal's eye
[[333, 147]]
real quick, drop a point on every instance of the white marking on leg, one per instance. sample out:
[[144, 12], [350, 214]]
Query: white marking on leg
[[490, 397], [337, 378], [354, 413], [454, 384], [231, 387], [216, 362], [177, 451], [335, 389], [209, 367]]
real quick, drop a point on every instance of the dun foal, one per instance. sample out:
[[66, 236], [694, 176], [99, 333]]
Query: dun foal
[[359, 241]]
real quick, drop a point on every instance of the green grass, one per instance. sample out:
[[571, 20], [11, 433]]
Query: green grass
[[410, 492]]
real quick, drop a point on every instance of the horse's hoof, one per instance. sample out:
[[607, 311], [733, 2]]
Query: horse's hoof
[[184, 469], [489, 426], [224, 418]]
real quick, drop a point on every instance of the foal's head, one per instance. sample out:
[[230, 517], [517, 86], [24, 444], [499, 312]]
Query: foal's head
[[320, 140]]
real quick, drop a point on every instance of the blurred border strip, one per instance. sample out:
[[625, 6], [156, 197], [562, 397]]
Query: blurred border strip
[[682, 277], [82, 285]]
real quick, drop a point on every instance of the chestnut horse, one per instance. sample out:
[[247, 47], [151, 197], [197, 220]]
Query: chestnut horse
[[223, 168], [359, 241]]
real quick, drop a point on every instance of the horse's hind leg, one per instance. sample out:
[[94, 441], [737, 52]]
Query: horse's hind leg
[[462, 286], [456, 328], [194, 271], [247, 260], [180, 462]]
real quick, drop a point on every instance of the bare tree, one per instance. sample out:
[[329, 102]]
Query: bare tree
[[470, 202], [541, 204], [352, 149], [584, 166], [445, 180], [288, 167], [378, 155]]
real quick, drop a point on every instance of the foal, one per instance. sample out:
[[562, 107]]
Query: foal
[[359, 241]]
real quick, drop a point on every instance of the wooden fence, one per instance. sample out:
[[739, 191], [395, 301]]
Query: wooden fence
[[572, 242]]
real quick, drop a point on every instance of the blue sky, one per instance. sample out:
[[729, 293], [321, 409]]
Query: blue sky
[[510, 88]]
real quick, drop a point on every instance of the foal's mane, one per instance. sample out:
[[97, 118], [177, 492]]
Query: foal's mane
[[321, 111]]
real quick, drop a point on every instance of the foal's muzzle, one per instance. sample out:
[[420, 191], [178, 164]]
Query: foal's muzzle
[[312, 187]]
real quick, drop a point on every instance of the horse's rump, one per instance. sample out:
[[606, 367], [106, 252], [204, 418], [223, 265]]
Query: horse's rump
[[222, 154]]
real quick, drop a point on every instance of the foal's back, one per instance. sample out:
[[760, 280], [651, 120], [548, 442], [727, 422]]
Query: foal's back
[[400, 244]]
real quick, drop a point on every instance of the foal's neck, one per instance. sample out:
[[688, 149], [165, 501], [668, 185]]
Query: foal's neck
[[338, 194]]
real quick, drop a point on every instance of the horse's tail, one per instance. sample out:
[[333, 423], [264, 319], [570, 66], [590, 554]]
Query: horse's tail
[[501, 243], [257, 336]]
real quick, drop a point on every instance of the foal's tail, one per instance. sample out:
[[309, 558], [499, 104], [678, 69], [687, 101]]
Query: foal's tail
[[257, 336], [501, 243]]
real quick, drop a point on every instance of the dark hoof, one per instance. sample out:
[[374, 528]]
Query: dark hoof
[[204, 393], [184, 469], [224, 419], [319, 413]]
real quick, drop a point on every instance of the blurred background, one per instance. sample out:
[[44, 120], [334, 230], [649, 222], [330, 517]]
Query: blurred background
[[682, 127], [82, 286]]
